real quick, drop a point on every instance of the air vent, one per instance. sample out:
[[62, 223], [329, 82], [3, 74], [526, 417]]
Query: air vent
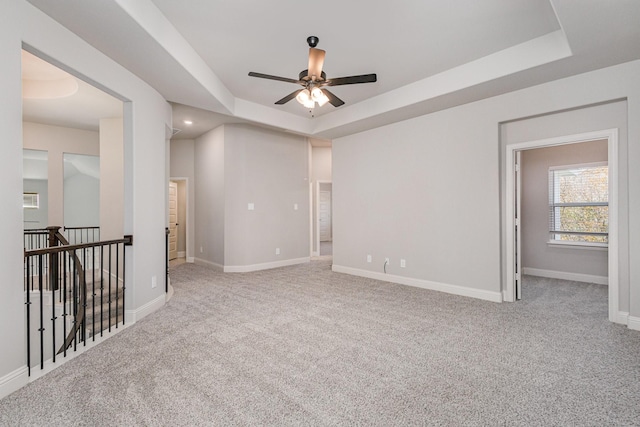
[[175, 131]]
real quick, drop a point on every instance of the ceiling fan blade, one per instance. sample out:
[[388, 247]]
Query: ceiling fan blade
[[288, 97], [267, 76], [316, 61], [333, 100], [351, 80]]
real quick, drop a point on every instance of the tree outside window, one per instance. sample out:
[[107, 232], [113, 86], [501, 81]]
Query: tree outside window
[[579, 203]]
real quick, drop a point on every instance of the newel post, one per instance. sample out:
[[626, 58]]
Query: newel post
[[53, 257]]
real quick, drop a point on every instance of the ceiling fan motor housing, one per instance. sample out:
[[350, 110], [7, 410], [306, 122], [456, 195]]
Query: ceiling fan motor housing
[[304, 75]]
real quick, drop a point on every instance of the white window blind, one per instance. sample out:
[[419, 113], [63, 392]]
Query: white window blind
[[31, 200], [579, 203]]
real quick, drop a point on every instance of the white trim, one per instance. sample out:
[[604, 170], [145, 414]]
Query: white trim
[[611, 135], [633, 322], [315, 254], [578, 166], [191, 259], [14, 381], [49, 366], [578, 245], [205, 263], [493, 296], [563, 275], [265, 266], [141, 312], [622, 317]]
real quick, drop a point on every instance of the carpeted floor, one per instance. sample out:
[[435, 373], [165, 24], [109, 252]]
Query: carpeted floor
[[304, 346]]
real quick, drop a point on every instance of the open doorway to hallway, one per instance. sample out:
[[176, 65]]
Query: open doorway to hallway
[[321, 198], [325, 224], [178, 221]]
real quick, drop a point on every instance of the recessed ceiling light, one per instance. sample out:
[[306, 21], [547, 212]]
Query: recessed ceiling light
[[188, 122]]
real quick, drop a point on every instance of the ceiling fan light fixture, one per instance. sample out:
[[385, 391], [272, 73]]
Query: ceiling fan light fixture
[[318, 96], [304, 96]]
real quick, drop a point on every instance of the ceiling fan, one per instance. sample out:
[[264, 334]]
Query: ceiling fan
[[313, 81]]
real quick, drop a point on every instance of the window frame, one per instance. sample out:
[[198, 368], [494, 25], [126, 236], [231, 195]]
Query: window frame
[[553, 233], [35, 199]]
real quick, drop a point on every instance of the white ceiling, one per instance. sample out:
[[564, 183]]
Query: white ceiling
[[82, 110], [428, 55]]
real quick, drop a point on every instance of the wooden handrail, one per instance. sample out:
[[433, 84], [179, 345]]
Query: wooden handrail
[[57, 249]]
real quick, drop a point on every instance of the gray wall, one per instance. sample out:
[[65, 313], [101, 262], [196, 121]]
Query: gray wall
[[36, 218], [210, 197], [58, 140], [424, 190], [270, 170], [580, 120], [536, 253], [430, 189], [236, 165], [81, 201], [182, 165]]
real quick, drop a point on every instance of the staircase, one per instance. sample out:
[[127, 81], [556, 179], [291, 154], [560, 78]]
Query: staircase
[[74, 293], [104, 304]]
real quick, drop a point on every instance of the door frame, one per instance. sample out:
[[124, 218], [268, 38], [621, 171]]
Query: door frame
[[187, 224], [611, 135], [171, 184], [317, 212]]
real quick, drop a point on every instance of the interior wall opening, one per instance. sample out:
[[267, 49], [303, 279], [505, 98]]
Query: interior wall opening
[[553, 150]]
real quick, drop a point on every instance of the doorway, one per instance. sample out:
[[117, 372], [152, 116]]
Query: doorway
[[514, 236], [324, 218], [178, 220]]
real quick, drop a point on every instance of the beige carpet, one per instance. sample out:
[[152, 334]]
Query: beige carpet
[[304, 346]]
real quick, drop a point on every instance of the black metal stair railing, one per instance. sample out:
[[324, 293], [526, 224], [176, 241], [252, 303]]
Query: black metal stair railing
[[80, 288]]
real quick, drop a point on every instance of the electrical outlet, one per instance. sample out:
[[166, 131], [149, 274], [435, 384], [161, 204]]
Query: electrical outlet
[[154, 281], [251, 206], [295, 206], [368, 258], [277, 251], [403, 263], [201, 250]]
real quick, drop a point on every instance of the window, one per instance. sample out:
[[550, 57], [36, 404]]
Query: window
[[31, 200], [579, 204]]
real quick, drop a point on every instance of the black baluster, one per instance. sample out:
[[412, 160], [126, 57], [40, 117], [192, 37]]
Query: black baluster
[[28, 304], [40, 286], [117, 277]]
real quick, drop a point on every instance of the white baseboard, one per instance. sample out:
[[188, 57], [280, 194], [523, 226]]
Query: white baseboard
[[191, 259], [494, 296], [169, 293], [264, 266], [576, 277], [20, 377], [13, 381], [633, 322], [182, 254], [315, 253], [621, 317], [209, 264], [134, 315]]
